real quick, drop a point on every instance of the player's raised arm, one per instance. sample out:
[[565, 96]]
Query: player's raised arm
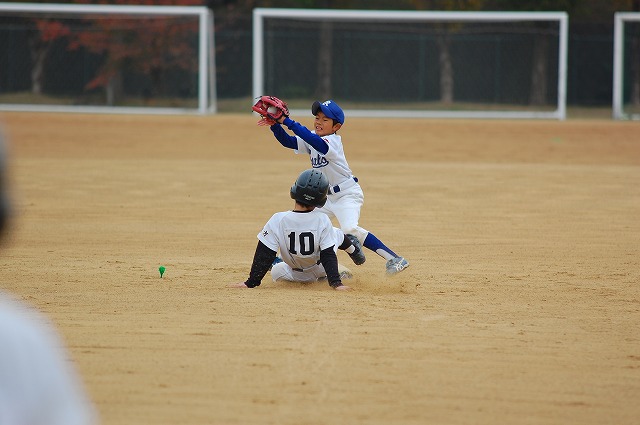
[[285, 139], [305, 134]]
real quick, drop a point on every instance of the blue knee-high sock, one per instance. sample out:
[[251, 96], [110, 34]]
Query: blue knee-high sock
[[376, 245]]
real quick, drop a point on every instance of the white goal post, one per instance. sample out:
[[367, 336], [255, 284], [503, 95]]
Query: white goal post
[[619, 56], [266, 43], [204, 91]]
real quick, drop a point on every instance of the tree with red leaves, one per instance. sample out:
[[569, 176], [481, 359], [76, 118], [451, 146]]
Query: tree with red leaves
[[148, 45]]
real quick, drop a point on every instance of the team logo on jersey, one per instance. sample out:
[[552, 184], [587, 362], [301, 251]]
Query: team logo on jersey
[[319, 161], [265, 233]]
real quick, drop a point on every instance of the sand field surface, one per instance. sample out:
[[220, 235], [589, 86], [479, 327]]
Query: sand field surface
[[521, 304]]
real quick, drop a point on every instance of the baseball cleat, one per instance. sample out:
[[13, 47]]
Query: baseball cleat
[[345, 273], [358, 255], [396, 265]]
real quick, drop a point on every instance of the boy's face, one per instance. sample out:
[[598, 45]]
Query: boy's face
[[324, 125]]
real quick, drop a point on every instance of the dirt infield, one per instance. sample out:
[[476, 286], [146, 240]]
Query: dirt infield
[[521, 304]]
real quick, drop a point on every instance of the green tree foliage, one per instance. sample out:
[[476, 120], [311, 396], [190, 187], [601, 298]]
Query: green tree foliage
[[581, 10], [448, 5]]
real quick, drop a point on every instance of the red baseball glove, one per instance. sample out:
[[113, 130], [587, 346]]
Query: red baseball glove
[[271, 109]]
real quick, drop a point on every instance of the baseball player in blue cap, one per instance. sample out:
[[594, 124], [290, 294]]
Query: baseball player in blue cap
[[324, 147]]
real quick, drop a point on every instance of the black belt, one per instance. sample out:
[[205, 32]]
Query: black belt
[[336, 188], [302, 270]]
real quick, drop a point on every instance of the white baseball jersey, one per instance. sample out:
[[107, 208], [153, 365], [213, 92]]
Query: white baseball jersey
[[38, 385], [334, 164], [299, 236], [344, 205]]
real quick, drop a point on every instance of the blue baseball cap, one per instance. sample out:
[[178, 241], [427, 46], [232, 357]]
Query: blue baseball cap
[[330, 109]]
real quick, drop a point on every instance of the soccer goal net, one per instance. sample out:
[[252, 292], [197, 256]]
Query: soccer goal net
[[106, 58], [626, 66], [414, 63]]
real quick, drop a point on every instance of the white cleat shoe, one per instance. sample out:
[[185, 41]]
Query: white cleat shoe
[[345, 273], [396, 265]]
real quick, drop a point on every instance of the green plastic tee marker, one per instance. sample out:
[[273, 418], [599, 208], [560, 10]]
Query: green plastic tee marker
[[161, 269]]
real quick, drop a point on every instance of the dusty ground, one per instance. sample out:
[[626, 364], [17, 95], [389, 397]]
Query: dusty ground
[[521, 305]]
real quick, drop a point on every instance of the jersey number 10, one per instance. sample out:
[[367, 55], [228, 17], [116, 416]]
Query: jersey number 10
[[306, 243]]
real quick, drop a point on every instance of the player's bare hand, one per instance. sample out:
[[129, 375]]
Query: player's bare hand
[[343, 288], [238, 285]]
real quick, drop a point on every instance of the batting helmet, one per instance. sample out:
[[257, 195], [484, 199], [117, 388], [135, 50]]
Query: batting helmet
[[310, 188]]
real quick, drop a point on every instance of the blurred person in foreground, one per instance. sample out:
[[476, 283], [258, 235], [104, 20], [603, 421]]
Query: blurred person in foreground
[[38, 382]]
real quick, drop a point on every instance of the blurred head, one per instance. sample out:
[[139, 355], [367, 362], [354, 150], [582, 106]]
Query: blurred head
[[4, 196], [38, 384]]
